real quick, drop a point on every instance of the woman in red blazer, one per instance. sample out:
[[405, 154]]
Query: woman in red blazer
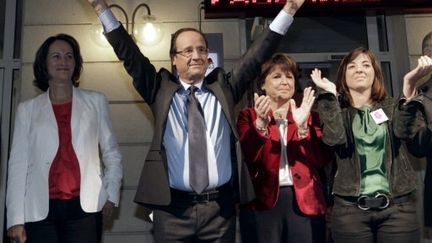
[[282, 147]]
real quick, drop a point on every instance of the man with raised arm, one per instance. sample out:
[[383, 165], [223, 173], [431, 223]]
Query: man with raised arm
[[193, 174]]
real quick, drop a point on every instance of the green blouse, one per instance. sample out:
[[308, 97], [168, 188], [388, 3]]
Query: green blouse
[[370, 139]]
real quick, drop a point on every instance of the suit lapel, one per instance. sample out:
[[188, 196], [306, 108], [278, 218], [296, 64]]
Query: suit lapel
[[169, 91], [216, 89], [44, 120], [46, 111], [79, 109], [161, 108]]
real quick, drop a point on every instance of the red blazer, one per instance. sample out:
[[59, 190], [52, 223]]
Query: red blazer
[[262, 155]]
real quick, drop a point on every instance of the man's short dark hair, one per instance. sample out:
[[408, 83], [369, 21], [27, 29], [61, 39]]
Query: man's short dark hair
[[40, 69], [173, 48]]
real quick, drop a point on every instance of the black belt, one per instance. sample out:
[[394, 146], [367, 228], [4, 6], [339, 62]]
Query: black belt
[[378, 202], [193, 198]]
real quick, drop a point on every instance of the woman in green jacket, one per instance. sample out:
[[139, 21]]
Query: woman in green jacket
[[374, 185]]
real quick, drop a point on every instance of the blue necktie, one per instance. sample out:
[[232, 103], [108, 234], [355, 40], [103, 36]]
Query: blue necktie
[[198, 165]]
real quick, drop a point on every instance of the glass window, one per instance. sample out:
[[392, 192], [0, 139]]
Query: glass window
[[2, 24], [328, 70], [1, 92], [18, 26], [386, 69], [319, 34], [382, 33], [325, 34]]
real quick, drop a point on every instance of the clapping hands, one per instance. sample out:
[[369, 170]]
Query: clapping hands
[[263, 109], [323, 82], [424, 68], [301, 114]]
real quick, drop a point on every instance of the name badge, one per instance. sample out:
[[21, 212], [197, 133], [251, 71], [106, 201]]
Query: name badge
[[379, 116]]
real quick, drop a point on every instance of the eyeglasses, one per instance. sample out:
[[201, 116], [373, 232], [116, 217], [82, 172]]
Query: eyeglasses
[[188, 52]]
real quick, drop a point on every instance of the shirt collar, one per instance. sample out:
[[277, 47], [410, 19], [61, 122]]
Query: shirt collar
[[186, 85]]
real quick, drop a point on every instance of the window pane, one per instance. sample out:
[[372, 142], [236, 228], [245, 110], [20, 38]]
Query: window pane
[[382, 33], [16, 87], [1, 92], [386, 69], [328, 70], [325, 34], [2, 23], [18, 26]]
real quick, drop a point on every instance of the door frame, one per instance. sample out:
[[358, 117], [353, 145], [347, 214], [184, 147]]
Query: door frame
[[9, 65]]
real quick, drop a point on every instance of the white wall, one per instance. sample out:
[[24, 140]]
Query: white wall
[[417, 27]]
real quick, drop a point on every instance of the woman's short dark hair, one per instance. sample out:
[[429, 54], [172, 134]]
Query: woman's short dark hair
[[378, 92], [40, 69], [427, 45], [284, 62]]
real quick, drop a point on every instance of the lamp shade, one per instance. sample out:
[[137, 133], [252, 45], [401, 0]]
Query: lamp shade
[[97, 35], [150, 32]]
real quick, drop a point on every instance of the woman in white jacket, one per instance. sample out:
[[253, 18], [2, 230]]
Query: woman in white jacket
[[58, 187]]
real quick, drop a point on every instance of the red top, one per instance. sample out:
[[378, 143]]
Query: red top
[[263, 154], [64, 175]]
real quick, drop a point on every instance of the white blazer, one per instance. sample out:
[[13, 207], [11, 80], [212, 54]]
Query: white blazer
[[35, 144]]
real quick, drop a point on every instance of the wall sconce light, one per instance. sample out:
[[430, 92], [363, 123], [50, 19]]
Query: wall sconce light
[[97, 35], [148, 33]]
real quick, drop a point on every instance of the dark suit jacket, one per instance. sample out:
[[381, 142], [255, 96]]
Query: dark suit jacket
[[158, 88], [305, 157], [414, 123], [427, 148]]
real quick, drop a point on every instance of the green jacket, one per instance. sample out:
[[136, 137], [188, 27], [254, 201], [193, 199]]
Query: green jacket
[[336, 124]]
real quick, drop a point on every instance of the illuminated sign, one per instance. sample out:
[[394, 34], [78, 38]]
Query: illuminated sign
[[268, 8]]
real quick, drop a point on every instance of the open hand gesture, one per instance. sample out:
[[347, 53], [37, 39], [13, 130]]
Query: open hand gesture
[[301, 114], [321, 82], [291, 6], [424, 67], [262, 108], [98, 5]]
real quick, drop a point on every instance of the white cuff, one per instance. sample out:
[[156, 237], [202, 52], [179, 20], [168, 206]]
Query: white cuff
[[109, 21], [281, 23]]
